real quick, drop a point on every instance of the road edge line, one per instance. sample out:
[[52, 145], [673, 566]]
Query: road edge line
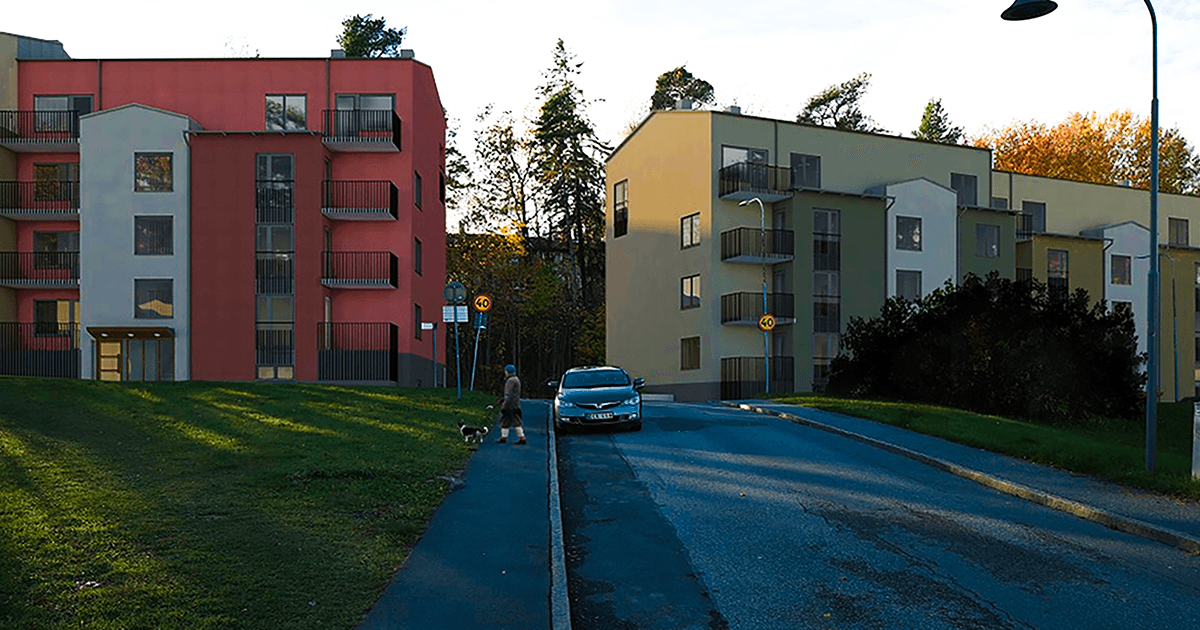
[[560, 603], [1111, 520]]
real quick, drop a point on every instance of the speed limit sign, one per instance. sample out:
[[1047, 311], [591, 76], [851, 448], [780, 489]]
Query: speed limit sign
[[483, 303], [766, 322]]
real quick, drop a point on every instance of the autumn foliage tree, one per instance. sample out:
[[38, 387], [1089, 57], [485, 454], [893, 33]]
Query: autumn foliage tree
[[1089, 148]]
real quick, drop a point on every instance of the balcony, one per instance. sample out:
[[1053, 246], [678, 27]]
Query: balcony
[[40, 201], [746, 180], [46, 349], [744, 309], [1028, 225], [357, 351], [359, 270], [359, 200], [40, 131], [362, 130], [746, 377], [274, 273], [747, 245], [39, 270]]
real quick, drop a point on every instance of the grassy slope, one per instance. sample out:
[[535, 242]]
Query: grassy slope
[[214, 505], [1115, 451]]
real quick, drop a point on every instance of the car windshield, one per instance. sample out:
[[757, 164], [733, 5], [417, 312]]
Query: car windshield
[[602, 378]]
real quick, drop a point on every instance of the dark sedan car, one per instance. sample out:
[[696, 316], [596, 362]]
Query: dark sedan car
[[597, 397]]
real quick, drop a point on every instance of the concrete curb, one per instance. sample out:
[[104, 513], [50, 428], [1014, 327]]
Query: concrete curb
[[1108, 519], [560, 603]]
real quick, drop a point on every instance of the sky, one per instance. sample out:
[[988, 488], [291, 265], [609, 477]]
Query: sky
[[766, 56]]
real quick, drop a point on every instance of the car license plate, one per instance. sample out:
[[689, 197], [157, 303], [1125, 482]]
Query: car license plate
[[600, 416]]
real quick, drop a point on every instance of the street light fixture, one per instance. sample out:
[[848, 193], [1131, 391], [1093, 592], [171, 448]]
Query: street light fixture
[[762, 251], [1028, 9]]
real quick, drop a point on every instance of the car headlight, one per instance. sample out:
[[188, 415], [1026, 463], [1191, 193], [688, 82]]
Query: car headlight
[[566, 404], [632, 401]]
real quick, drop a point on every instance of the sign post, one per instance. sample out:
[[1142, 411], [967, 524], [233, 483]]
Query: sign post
[[433, 327], [483, 304], [455, 294]]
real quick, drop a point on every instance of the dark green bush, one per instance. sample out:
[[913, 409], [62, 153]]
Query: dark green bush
[[997, 346]]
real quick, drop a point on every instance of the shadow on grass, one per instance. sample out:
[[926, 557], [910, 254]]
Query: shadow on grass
[[246, 505]]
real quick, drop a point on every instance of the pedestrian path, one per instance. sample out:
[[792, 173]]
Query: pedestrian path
[[1145, 514], [483, 563]]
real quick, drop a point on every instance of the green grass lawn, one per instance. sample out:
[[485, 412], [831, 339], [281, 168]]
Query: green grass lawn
[[214, 505], [1116, 450]]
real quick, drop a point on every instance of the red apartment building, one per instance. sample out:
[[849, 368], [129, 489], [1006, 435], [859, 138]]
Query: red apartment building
[[219, 219]]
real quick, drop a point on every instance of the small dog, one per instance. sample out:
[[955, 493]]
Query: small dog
[[470, 433]]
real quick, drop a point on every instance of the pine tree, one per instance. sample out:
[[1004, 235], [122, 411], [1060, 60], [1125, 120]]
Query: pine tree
[[837, 106], [936, 126]]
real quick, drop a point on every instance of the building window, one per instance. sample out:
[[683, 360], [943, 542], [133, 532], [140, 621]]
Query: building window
[[152, 172], [364, 112], [999, 203], [417, 255], [689, 292], [1032, 219], [56, 182], [827, 316], [689, 353], [967, 187], [987, 240], [60, 113], [1119, 306], [689, 231], [1057, 270], [827, 266], [417, 189], [417, 317], [1122, 270], [275, 309], [908, 284], [806, 171], [908, 233], [825, 349], [153, 299], [152, 236], [1177, 231], [621, 208], [55, 250], [287, 112], [55, 318]]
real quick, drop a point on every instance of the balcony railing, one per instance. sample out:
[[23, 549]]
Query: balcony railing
[[1027, 226], [274, 201], [40, 200], [39, 270], [745, 308], [275, 344], [747, 245], [362, 130], [357, 351], [746, 377], [1025, 274], [746, 180], [360, 200], [47, 349], [274, 273], [39, 131], [359, 270]]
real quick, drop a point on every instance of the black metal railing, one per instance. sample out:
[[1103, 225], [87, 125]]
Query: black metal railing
[[1027, 226], [26, 125], [748, 307], [275, 344], [40, 268], [47, 349], [746, 377], [1026, 274], [357, 351], [359, 269], [751, 177], [46, 196], [1058, 285], [366, 198], [274, 201], [749, 242], [362, 125], [275, 273]]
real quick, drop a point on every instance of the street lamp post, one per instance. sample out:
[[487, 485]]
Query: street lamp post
[[1028, 9], [762, 251]]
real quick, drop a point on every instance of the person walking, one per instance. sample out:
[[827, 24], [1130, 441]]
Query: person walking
[[510, 406]]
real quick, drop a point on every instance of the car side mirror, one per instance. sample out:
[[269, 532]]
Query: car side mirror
[[552, 384], [639, 383]]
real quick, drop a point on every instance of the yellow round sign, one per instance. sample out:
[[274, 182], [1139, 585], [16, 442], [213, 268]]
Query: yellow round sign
[[766, 322], [483, 303]]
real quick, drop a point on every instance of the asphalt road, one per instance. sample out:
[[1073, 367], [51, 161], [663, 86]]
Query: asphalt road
[[713, 518]]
